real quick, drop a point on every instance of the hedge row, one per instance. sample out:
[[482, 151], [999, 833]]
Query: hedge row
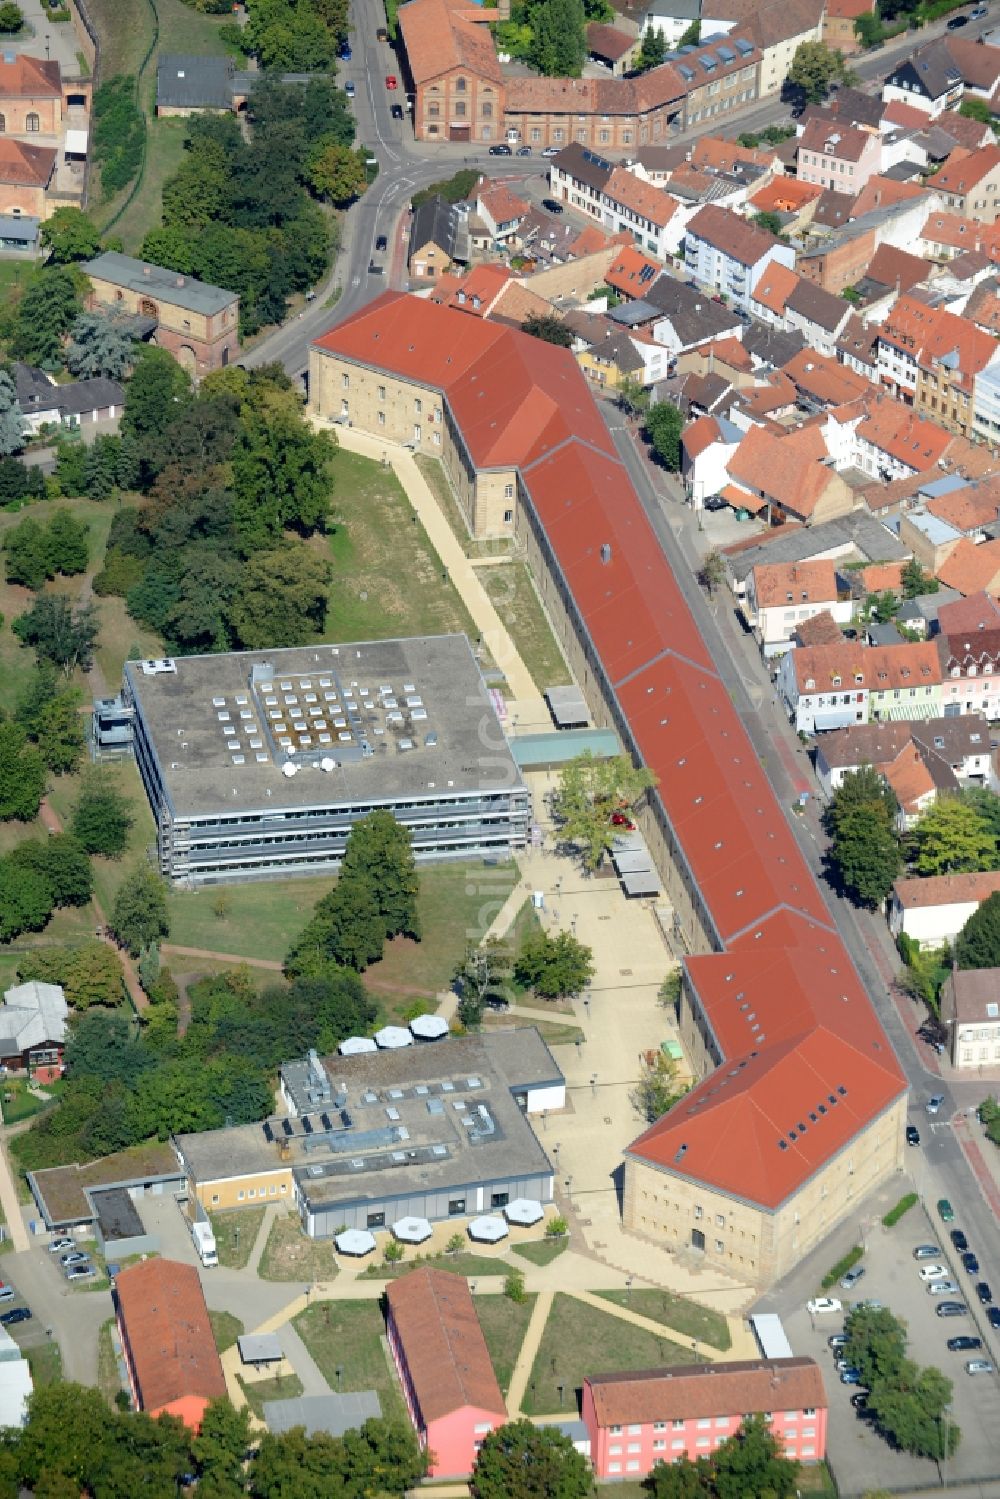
[[902, 1206], [842, 1266]]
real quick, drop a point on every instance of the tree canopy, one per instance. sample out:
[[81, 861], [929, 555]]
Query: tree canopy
[[978, 944], [751, 1462], [554, 966], [864, 849], [814, 68], [595, 801], [522, 1461], [952, 838], [663, 424]]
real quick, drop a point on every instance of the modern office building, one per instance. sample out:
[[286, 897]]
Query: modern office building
[[256, 764]]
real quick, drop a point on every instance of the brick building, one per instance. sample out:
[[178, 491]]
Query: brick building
[[197, 323]]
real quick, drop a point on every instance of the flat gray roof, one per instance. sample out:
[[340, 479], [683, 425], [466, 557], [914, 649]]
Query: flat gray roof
[[420, 1118], [157, 281], [874, 541], [224, 726], [333, 1414], [259, 1347]]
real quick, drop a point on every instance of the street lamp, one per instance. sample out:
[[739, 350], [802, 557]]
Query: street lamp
[[340, 1376], [628, 1289]]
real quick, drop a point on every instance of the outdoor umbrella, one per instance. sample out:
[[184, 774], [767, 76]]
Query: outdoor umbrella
[[355, 1241], [429, 1027], [488, 1230], [412, 1230], [391, 1037], [524, 1211], [355, 1045]]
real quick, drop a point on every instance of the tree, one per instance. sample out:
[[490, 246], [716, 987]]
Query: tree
[[60, 634], [25, 902], [814, 68], [951, 838], [866, 855], [26, 554], [986, 805], [101, 345], [751, 1463], [769, 221], [549, 328], [869, 30], [139, 916], [67, 544], [915, 581], [483, 977], [657, 1090], [558, 48], [61, 863], [12, 427], [45, 314], [523, 1461], [664, 424], [347, 928], [910, 1410], [596, 799], [692, 36], [554, 966], [682, 1479], [653, 49], [337, 172], [102, 817], [876, 1343], [632, 397], [90, 972], [712, 572], [50, 716], [978, 944], [157, 388], [11, 17], [989, 1117], [69, 235], [281, 472], [281, 597], [380, 850], [22, 775]]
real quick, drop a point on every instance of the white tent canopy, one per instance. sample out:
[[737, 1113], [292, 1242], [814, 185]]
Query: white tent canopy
[[392, 1037], [429, 1027], [524, 1211], [488, 1230], [412, 1230], [356, 1241], [355, 1046]]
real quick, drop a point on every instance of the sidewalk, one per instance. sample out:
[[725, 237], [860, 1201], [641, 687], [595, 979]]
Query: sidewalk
[[8, 1201]]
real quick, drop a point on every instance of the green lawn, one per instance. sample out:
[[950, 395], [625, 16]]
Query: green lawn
[[542, 1251], [513, 594], [225, 1329], [387, 578], [468, 1265], [550, 1031], [108, 1378], [290, 1255], [689, 1318], [504, 1323], [45, 1363], [18, 1103], [121, 634], [440, 485], [580, 1340], [281, 1387], [260, 922], [235, 1235], [347, 1335], [164, 152], [109, 873]]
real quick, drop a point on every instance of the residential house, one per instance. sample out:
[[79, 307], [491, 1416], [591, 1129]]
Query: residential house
[[769, 299], [793, 201], [78, 403], [979, 63], [929, 79], [780, 595], [921, 613], [949, 364], [821, 629], [660, 1415], [720, 78], [682, 318], [444, 1367], [438, 238], [26, 176], [838, 156], [631, 273], [707, 445], [819, 315], [33, 1028], [631, 206], [819, 379], [943, 236], [777, 28], [501, 210], [970, 1008], [34, 97], [578, 176], [616, 49], [909, 325], [196, 322], [672, 17], [969, 568], [457, 82], [955, 750], [977, 612], [933, 910], [187, 84], [831, 687], [884, 438], [985, 426], [167, 1342], [730, 254], [839, 17], [779, 478], [970, 671], [969, 183], [489, 291]]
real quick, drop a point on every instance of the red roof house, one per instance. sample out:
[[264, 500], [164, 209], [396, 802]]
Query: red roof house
[[167, 1339]]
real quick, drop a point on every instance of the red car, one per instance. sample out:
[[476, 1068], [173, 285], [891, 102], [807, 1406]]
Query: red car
[[622, 820], [391, 80]]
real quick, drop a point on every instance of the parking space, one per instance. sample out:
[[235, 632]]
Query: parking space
[[861, 1459]]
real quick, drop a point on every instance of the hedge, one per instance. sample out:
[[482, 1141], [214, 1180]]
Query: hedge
[[902, 1206], [842, 1266]]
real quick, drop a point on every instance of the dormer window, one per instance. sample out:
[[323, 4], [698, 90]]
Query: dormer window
[[858, 679], [836, 681], [810, 684]]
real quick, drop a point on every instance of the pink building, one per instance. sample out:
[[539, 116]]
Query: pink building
[[444, 1366], [838, 156], [659, 1415]]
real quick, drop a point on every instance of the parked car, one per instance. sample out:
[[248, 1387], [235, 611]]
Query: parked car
[[500, 151], [396, 111], [951, 1309], [552, 204], [391, 81], [959, 1240], [7, 1293], [942, 1288], [979, 12], [850, 1280], [970, 1263], [345, 51], [932, 1272], [841, 1364], [912, 1135], [837, 1340], [81, 1272], [860, 1400], [984, 1293], [964, 1344], [945, 1210], [716, 502], [821, 1305], [551, 150], [381, 243], [350, 88], [993, 1316], [374, 269], [957, 21], [850, 1376], [979, 1366], [15, 1314], [75, 1257], [57, 1246], [926, 1252], [523, 151], [381, 35], [933, 1104]]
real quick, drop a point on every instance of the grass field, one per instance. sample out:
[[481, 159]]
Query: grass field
[[108, 1378], [688, 1318], [45, 1363], [281, 1387], [260, 922], [468, 1265], [579, 1340], [290, 1255], [164, 152], [513, 594], [347, 1335], [225, 1329], [542, 1251], [504, 1323], [120, 634], [387, 577], [440, 485], [235, 1235], [109, 873]]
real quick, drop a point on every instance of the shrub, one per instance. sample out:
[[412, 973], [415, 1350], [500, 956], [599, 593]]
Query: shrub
[[513, 1287], [556, 1228], [842, 1266], [902, 1206], [393, 1252]]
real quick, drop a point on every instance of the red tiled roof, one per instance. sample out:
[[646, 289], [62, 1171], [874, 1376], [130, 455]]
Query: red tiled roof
[[825, 379], [875, 668], [910, 779], [897, 430], [839, 142], [700, 435], [608, 41], [884, 192], [967, 509], [745, 864], [699, 1390], [27, 77], [964, 170], [775, 285], [946, 889], [784, 195], [979, 611], [822, 629], [778, 470], [22, 165], [443, 1344], [969, 568], [882, 577], [794, 582], [170, 1337], [501, 204], [441, 35], [631, 272], [735, 237], [642, 198], [849, 10], [730, 351], [898, 113]]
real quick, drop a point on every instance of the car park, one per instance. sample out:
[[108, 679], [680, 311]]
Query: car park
[[970, 1263], [80, 1272], [951, 1309], [823, 1305], [984, 1293], [932, 1272], [979, 1366], [964, 1344], [912, 1135], [837, 1340], [396, 111], [391, 81], [934, 1103], [850, 1280], [959, 1240], [945, 1211], [993, 1316], [61, 1244], [500, 151], [15, 1314], [850, 1376], [926, 1252]]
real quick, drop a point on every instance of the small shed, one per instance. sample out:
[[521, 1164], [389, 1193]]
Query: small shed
[[257, 1348]]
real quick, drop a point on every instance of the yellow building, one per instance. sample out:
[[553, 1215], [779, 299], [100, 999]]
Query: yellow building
[[197, 323]]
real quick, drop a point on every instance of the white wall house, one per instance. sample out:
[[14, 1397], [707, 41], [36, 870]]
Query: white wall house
[[730, 254], [934, 910], [814, 704], [986, 405]]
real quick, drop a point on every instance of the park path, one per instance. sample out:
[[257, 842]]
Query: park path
[[529, 1350], [263, 1234], [53, 822], [9, 1203], [270, 964]]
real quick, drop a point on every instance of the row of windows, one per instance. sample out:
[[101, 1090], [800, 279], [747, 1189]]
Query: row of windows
[[32, 123], [248, 1194]]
